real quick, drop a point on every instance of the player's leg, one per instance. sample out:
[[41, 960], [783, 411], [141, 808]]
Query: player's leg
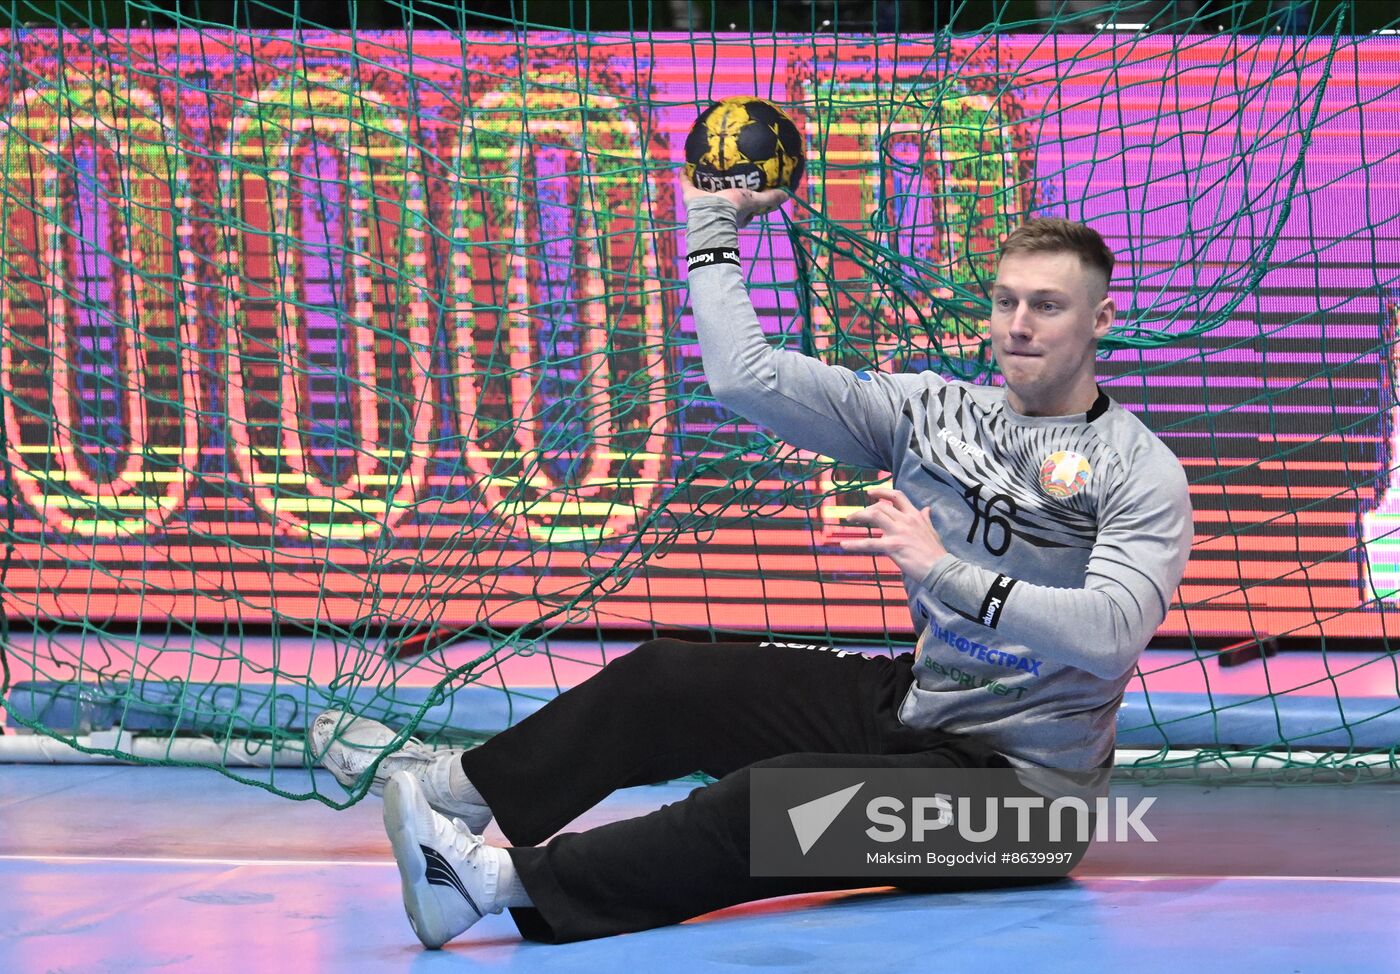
[[671, 708], [677, 862], [348, 745], [666, 709]]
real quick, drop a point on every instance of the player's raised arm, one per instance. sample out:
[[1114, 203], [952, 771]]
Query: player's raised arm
[[827, 409]]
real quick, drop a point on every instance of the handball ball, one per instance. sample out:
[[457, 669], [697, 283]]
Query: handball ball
[[744, 143]]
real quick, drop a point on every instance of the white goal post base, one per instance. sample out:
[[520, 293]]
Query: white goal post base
[[95, 749], [30, 748]]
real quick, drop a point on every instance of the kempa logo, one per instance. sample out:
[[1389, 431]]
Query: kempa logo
[[996, 600], [705, 257], [814, 647], [952, 437], [810, 820]]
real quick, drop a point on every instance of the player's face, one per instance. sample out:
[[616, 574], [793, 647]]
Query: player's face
[[1048, 312]]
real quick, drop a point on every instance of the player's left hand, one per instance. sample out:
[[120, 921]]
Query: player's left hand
[[907, 535], [750, 203]]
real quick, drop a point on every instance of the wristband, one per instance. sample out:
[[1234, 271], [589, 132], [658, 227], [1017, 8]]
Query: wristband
[[715, 255], [990, 613]]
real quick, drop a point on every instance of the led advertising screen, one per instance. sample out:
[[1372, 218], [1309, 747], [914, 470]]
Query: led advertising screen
[[323, 327]]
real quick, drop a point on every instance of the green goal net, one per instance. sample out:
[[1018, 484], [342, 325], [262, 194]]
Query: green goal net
[[349, 364]]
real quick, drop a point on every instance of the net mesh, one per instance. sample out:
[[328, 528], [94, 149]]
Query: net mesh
[[354, 368]]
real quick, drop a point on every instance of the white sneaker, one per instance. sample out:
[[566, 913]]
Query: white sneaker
[[448, 873], [347, 745]]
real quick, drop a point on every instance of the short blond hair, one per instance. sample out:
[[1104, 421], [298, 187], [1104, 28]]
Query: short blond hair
[[1051, 235]]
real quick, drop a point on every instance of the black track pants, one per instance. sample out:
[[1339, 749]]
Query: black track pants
[[669, 709]]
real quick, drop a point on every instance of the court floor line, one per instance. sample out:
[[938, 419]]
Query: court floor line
[[192, 861], [1153, 878], [388, 863]]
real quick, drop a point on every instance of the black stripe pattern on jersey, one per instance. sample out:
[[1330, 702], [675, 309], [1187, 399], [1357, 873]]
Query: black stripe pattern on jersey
[[963, 445]]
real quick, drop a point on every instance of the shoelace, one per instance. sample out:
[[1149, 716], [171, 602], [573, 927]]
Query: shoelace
[[463, 840]]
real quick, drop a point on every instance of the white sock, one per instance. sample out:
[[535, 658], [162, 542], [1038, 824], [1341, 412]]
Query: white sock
[[509, 890], [447, 787], [459, 786]]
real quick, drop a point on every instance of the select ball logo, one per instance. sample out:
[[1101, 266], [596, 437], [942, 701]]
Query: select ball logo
[[744, 143], [1064, 474]]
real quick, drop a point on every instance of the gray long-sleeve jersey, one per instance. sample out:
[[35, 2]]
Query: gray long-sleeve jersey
[[1066, 535]]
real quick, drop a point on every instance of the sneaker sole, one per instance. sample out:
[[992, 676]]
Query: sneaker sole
[[418, 902]]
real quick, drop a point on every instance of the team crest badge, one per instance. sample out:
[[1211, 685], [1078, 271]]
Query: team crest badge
[[1064, 474]]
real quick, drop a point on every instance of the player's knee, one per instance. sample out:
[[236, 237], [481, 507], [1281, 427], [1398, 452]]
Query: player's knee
[[657, 664], [795, 760]]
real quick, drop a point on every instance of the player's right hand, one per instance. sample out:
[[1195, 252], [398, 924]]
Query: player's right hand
[[750, 203]]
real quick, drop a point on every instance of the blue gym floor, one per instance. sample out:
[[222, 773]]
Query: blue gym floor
[[114, 869]]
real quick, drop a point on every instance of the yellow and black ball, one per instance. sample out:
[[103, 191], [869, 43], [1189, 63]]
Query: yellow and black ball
[[745, 143]]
